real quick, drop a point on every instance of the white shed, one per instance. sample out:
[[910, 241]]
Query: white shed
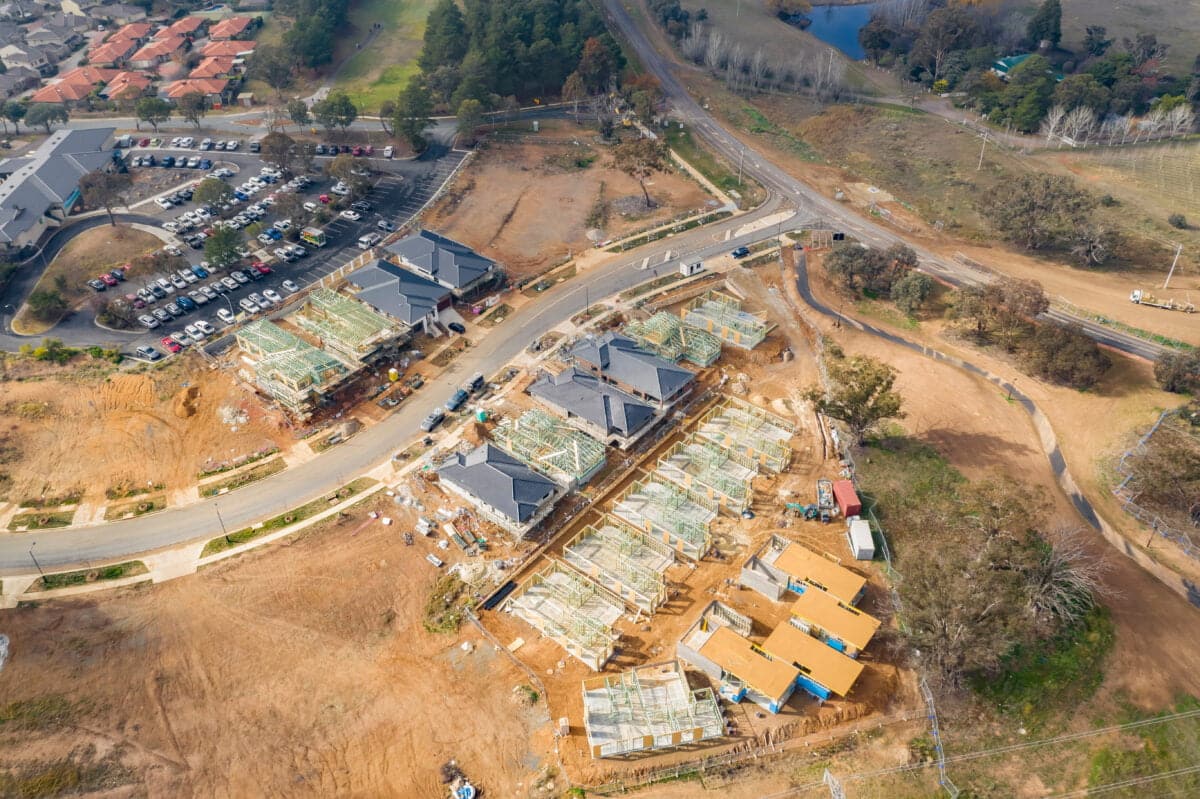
[[858, 535]]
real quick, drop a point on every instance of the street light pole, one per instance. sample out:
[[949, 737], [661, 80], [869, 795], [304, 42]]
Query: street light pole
[[224, 532], [35, 561]]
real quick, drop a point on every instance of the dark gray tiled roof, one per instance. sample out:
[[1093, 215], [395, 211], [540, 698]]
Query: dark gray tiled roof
[[445, 260], [619, 358], [499, 480], [397, 292], [590, 398]]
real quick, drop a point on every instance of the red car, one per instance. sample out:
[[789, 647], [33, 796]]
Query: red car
[[369, 150], [107, 279], [170, 344], [144, 142], [261, 268], [324, 198], [357, 150]]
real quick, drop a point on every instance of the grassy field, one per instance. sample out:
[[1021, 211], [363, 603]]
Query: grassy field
[[1174, 22], [378, 70], [83, 576], [262, 470]]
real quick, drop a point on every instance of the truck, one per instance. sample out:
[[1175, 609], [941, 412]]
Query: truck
[[314, 236], [1139, 297], [825, 504]]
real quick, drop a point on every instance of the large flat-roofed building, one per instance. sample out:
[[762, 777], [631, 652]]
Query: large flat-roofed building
[[598, 408], [40, 189], [781, 566], [619, 360], [503, 489], [824, 671], [651, 707]]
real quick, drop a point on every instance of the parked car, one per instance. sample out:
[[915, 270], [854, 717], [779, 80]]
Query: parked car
[[204, 327], [165, 285], [97, 285], [362, 206], [229, 283], [199, 271], [147, 321], [194, 333], [353, 216], [248, 306], [260, 267], [240, 277], [181, 338], [260, 301], [226, 316], [385, 225], [273, 296], [170, 344], [197, 296], [457, 400], [163, 203], [161, 315], [740, 252], [290, 287], [457, 327], [433, 420], [255, 146], [157, 290]]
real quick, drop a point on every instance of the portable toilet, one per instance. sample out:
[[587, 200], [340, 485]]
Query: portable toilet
[[689, 268], [858, 535]]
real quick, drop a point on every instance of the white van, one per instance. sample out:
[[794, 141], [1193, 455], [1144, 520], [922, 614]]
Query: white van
[[388, 151], [368, 241]]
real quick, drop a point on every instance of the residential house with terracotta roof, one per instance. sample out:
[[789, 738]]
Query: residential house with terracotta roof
[[135, 31], [157, 51], [219, 67], [113, 53], [126, 86], [191, 27], [213, 89], [234, 48], [231, 28], [75, 86]]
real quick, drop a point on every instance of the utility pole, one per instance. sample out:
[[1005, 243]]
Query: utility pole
[[35, 561], [224, 532], [985, 137], [1178, 250], [741, 157]]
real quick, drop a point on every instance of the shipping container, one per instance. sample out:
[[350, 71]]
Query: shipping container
[[847, 498], [858, 535]]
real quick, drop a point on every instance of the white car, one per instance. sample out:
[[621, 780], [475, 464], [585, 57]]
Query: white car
[[194, 333], [283, 255], [188, 275], [311, 207], [265, 239], [290, 287], [177, 281], [173, 227], [163, 203], [273, 296], [181, 339], [226, 316], [165, 285], [202, 215], [297, 250], [248, 306], [232, 144], [283, 224], [353, 216], [260, 300], [171, 249], [186, 142], [147, 321], [340, 190], [204, 327]]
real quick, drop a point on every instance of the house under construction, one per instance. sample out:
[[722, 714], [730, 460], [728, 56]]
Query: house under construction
[[627, 562], [572, 609], [668, 336], [672, 514], [346, 327], [554, 447], [288, 369], [651, 707], [780, 566], [723, 476], [749, 431], [722, 315]]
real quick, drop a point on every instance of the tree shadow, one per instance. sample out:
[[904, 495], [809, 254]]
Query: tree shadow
[[977, 449]]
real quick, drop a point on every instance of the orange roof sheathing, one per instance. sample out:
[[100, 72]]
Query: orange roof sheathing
[[735, 655], [213, 49], [229, 28], [819, 661], [88, 76], [804, 564], [212, 67], [835, 618]]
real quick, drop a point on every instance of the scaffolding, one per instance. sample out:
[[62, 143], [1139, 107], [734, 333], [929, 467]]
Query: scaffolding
[[553, 446], [726, 477], [681, 518], [647, 708], [627, 562], [573, 610], [748, 431], [669, 337], [345, 326], [288, 369], [722, 315]]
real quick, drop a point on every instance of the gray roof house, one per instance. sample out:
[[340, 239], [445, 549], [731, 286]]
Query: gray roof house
[[456, 266], [502, 488], [619, 360], [17, 80], [598, 408], [41, 188], [403, 295]]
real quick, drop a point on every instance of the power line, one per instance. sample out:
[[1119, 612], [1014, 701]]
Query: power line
[[1132, 782]]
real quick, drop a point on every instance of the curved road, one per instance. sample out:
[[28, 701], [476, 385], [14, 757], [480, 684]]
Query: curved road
[[57, 549], [812, 203]]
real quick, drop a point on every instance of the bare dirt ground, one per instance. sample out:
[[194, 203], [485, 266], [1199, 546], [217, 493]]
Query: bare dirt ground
[[92, 428], [528, 204], [298, 670]]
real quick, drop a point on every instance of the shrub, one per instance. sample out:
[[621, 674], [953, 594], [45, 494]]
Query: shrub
[[1178, 221], [1064, 354], [1178, 372]]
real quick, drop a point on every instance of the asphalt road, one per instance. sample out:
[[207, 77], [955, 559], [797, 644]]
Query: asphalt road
[[812, 203], [115, 540]]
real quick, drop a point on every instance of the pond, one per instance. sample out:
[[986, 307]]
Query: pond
[[839, 26]]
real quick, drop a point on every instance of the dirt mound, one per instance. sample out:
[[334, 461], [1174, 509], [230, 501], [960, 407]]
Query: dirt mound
[[185, 402]]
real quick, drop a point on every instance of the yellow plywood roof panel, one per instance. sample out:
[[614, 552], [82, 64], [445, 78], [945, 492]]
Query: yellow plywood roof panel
[[836, 617], [822, 663], [804, 564], [733, 653]]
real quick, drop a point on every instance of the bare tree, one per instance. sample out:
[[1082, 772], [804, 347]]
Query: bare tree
[[1052, 122], [694, 43], [1064, 583], [758, 70], [1180, 120], [716, 52], [1079, 124], [735, 69]]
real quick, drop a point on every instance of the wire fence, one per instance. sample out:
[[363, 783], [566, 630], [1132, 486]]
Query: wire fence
[[1127, 494]]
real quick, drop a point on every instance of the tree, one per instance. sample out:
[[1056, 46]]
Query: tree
[[855, 266], [1027, 95], [221, 248], [1144, 48], [193, 106], [640, 159], [1178, 372], [911, 291], [46, 305], [446, 38], [347, 169], [273, 66], [1046, 24], [1178, 221], [1083, 89], [413, 107], [877, 36], [311, 38], [596, 65], [861, 394], [297, 111], [387, 110], [1096, 41], [336, 110], [45, 115], [102, 189], [573, 91], [212, 191], [1066, 355], [153, 110], [278, 148], [470, 117], [1040, 210], [944, 31], [14, 112]]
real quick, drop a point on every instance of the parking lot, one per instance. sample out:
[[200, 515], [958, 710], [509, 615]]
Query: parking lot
[[199, 301]]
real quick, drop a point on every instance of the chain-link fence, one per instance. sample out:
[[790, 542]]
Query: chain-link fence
[[1182, 537]]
